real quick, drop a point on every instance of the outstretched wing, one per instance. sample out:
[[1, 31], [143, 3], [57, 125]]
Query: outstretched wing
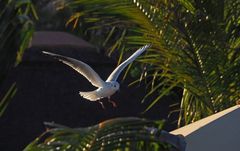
[[81, 68], [114, 75]]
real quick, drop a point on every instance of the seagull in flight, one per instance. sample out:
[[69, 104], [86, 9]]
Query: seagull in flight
[[104, 88]]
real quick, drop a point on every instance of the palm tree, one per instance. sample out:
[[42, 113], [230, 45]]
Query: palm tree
[[195, 46], [16, 30]]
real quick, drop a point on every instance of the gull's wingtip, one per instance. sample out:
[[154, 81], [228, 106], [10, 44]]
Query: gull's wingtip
[[148, 45], [49, 53], [45, 52]]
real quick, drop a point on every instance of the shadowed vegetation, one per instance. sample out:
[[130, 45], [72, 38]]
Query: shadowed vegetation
[[120, 134], [195, 46], [16, 28]]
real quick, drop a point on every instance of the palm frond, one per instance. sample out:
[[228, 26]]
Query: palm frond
[[16, 28], [115, 134], [7, 97]]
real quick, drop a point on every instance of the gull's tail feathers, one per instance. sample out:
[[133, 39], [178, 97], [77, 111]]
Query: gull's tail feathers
[[91, 95]]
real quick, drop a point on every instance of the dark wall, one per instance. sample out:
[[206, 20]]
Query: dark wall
[[48, 91]]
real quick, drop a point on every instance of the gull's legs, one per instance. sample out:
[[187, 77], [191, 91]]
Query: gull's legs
[[102, 104], [113, 103]]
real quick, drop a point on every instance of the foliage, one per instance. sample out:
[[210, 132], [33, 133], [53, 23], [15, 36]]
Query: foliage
[[120, 134], [51, 18], [195, 46], [16, 29]]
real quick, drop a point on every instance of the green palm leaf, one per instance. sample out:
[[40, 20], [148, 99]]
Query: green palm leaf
[[120, 134], [16, 29]]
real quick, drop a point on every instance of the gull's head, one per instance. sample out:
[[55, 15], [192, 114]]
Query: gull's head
[[115, 85]]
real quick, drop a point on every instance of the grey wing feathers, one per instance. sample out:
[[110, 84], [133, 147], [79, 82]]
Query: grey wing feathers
[[81, 68], [114, 75]]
